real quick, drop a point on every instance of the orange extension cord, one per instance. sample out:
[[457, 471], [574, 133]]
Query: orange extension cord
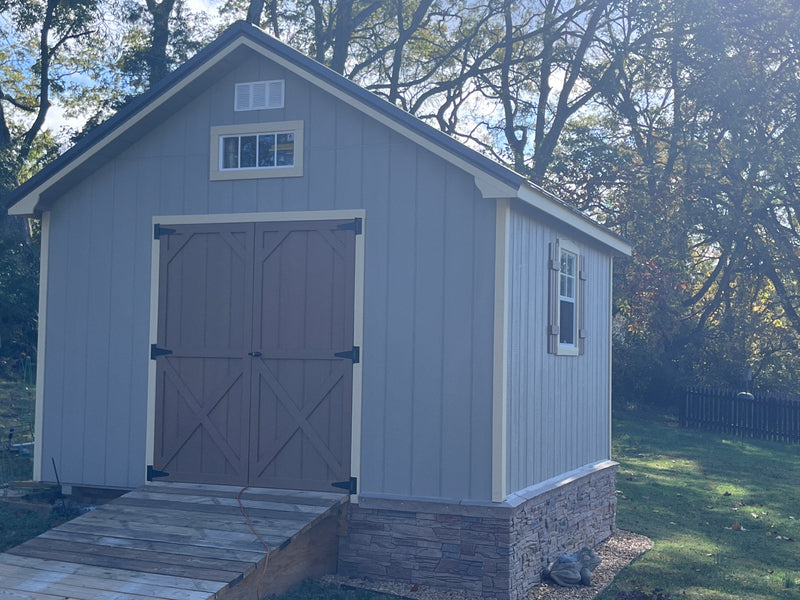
[[260, 539]]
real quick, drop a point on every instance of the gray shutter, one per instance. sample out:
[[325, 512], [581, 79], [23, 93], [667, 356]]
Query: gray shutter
[[553, 269], [582, 277]]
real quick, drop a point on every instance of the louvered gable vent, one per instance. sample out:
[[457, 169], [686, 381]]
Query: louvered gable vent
[[256, 95]]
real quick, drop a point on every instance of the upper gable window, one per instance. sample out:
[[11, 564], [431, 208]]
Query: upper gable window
[[257, 150], [258, 95]]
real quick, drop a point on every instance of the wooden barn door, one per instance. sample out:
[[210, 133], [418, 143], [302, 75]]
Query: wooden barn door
[[250, 390]]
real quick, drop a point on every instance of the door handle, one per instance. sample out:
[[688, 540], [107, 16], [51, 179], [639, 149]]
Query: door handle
[[254, 354]]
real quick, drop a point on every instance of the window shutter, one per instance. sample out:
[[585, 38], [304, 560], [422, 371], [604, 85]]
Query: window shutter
[[553, 269], [582, 279]]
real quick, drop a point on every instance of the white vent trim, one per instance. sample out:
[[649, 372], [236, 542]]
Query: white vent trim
[[258, 95]]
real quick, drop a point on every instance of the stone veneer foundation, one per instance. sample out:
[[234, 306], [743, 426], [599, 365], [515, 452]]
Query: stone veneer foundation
[[493, 549]]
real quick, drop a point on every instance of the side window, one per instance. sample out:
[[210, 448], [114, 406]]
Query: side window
[[566, 329], [567, 299], [256, 150]]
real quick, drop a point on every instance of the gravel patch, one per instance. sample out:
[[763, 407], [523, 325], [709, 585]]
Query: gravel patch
[[617, 552]]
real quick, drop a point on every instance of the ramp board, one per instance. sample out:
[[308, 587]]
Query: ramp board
[[174, 541]]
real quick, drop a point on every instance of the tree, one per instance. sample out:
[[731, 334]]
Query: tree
[[40, 46], [709, 96], [157, 37]]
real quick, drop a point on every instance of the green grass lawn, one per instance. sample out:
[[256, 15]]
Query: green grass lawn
[[17, 402], [723, 513]]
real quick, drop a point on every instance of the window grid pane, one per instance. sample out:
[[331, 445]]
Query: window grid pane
[[567, 296], [264, 151], [247, 152], [285, 154], [230, 152]]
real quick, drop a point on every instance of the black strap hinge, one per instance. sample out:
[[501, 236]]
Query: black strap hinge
[[153, 473], [155, 352], [354, 225], [351, 486], [159, 230], [354, 354]]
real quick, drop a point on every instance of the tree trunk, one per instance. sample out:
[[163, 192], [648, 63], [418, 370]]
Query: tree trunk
[[157, 62]]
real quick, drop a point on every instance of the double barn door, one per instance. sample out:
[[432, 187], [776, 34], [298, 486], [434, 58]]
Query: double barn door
[[251, 317]]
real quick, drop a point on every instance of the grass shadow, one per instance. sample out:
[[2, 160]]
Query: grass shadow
[[721, 512]]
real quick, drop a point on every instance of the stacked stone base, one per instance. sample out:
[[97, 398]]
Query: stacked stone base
[[490, 549]]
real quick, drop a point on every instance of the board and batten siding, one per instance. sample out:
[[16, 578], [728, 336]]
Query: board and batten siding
[[558, 406], [428, 297]]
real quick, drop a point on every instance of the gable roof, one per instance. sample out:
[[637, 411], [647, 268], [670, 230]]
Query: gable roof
[[153, 106]]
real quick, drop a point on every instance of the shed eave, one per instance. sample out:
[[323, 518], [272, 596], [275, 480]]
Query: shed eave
[[26, 207], [541, 200]]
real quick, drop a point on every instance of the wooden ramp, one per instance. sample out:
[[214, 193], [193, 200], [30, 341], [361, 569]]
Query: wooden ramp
[[178, 541]]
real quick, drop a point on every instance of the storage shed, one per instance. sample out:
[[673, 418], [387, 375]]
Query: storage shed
[[258, 273]]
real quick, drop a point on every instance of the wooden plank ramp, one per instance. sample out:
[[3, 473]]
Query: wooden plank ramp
[[178, 541]]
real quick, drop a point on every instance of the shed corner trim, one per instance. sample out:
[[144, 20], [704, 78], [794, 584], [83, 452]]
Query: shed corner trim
[[500, 368]]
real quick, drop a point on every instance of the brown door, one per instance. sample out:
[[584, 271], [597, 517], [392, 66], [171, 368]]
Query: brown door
[[252, 392]]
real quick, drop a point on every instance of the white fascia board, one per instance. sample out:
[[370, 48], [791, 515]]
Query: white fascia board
[[539, 200], [490, 186]]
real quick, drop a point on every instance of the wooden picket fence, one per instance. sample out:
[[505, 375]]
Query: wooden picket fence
[[761, 416]]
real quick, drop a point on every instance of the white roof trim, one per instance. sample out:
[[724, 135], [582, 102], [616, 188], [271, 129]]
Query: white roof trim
[[533, 197], [28, 203], [487, 181]]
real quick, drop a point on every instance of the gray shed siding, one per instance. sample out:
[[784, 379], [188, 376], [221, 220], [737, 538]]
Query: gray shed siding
[[558, 406], [429, 280]]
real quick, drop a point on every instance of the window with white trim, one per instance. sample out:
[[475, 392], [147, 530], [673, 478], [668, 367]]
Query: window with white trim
[[566, 333], [567, 299], [257, 150], [262, 151]]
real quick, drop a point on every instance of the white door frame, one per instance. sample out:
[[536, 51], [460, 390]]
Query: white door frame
[[358, 311]]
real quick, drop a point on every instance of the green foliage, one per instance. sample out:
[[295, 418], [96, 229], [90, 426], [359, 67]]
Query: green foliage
[[694, 159], [142, 63], [640, 594], [720, 511], [19, 300]]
